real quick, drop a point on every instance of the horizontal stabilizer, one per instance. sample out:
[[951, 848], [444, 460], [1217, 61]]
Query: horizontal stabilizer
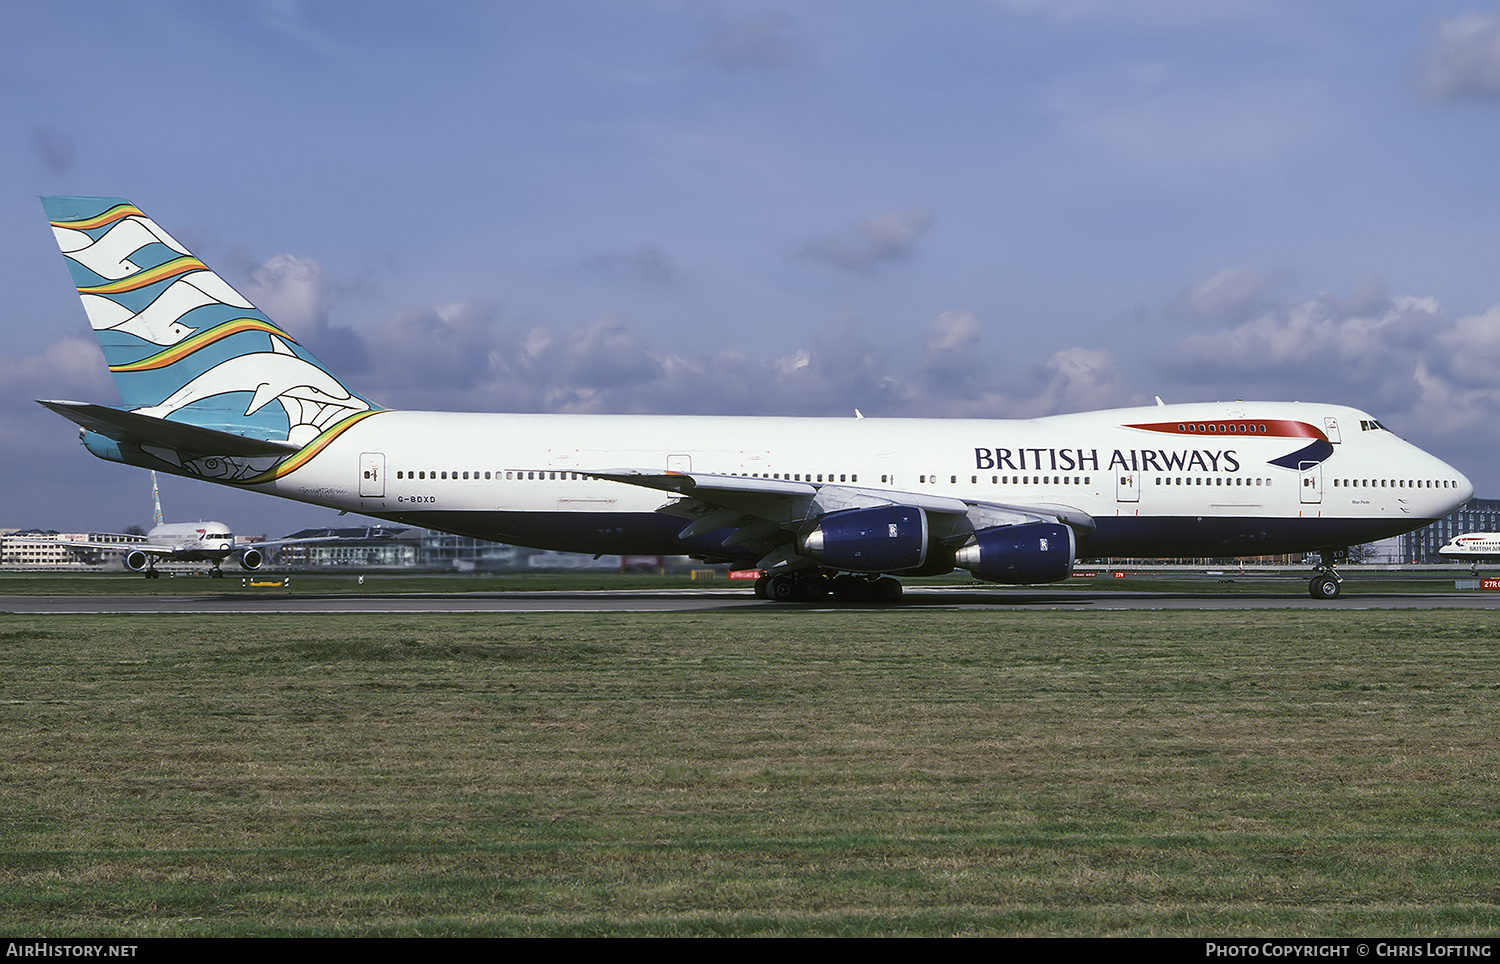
[[188, 439]]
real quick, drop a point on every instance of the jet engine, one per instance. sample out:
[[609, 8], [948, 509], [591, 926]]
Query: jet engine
[[1030, 553], [135, 560], [886, 538], [251, 559]]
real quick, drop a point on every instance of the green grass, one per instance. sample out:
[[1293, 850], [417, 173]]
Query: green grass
[[783, 772], [1291, 581], [321, 582]]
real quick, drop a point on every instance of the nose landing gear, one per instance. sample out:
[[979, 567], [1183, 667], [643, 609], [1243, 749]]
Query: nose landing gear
[[1326, 579]]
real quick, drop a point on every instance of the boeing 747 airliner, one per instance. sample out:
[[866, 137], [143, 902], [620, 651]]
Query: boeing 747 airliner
[[213, 389]]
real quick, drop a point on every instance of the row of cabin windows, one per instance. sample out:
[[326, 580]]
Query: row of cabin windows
[[1210, 480], [515, 475], [1394, 484], [801, 476], [1223, 427], [1016, 479], [512, 475]]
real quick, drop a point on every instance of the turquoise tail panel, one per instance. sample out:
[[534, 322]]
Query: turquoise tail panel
[[181, 343]]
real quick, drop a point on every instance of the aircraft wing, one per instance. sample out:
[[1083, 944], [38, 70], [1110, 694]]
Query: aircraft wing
[[146, 547], [164, 552], [765, 515]]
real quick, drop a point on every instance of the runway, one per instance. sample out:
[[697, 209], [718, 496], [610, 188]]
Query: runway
[[719, 600]]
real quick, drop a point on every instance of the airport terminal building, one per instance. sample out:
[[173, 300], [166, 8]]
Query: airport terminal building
[[48, 549], [351, 548]]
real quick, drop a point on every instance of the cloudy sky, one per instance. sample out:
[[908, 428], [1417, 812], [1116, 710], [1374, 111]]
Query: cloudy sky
[[992, 209]]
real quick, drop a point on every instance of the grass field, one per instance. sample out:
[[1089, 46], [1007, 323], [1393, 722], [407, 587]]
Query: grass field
[[1291, 581], [776, 772]]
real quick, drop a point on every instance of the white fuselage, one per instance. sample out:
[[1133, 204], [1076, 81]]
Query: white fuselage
[[1242, 478], [193, 541], [1474, 547]]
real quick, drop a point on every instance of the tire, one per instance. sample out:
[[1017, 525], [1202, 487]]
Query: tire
[[1323, 587], [813, 588], [783, 589]]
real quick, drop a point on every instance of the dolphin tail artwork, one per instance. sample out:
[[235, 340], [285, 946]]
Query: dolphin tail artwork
[[211, 386]]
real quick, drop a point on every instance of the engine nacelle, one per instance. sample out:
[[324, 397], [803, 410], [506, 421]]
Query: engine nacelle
[[251, 559], [885, 538], [135, 560], [1030, 553]]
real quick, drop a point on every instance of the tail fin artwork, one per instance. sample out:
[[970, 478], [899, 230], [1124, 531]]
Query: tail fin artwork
[[156, 518], [211, 386]]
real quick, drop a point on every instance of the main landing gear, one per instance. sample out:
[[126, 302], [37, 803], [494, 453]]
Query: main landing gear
[[813, 586], [1325, 581]]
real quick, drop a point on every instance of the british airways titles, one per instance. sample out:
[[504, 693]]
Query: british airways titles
[[1131, 460]]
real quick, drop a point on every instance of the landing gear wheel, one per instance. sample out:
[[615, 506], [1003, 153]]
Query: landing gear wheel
[[763, 587], [813, 588], [887, 590], [782, 589], [1323, 586]]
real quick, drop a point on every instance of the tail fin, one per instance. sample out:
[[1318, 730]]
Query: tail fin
[[156, 519], [181, 343]]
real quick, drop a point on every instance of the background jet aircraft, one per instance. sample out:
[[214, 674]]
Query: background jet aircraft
[[210, 542], [1473, 548], [213, 389]]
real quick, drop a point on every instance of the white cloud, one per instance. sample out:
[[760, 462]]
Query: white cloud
[[1469, 351], [70, 368], [1317, 348], [292, 291], [873, 241], [1462, 62], [1229, 294]]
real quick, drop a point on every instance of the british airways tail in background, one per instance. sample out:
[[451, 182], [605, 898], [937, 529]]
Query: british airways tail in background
[[213, 389]]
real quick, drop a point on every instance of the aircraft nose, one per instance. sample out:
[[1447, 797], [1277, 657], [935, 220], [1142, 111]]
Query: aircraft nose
[[1464, 488]]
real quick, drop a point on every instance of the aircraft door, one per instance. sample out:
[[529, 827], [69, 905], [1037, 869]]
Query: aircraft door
[[372, 474], [680, 463], [1128, 487], [1311, 482]]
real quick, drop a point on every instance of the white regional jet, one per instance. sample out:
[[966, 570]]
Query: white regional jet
[[213, 389], [210, 542], [1474, 548]]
